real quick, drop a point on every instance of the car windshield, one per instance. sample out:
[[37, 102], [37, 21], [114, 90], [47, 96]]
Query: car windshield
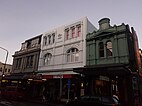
[[90, 98], [108, 100]]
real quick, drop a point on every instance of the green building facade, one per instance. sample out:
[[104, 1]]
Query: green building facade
[[110, 45], [112, 63]]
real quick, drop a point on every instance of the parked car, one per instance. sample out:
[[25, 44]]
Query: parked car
[[12, 93], [94, 101]]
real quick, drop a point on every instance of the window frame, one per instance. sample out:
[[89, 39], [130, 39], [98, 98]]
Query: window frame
[[67, 33], [49, 39], [53, 38], [30, 61], [73, 32], [101, 49], [72, 55], [47, 59], [78, 30], [45, 40], [109, 50]]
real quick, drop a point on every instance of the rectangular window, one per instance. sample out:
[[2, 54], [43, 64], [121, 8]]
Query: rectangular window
[[109, 48], [49, 39], [101, 49], [72, 57], [29, 44], [31, 60], [67, 34], [77, 56], [28, 61], [73, 32], [53, 38], [18, 63], [78, 31], [68, 57]]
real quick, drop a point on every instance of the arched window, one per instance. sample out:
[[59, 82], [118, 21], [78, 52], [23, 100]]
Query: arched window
[[108, 48], [101, 49], [49, 39], [44, 40], [47, 59], [72, 55], [53, 38]]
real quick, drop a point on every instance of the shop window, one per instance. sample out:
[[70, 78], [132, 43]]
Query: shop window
[[72, 55], [108, 48], [101, 49], [47, 59]]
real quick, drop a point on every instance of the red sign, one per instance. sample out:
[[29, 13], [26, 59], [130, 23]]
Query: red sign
[[57, 76]]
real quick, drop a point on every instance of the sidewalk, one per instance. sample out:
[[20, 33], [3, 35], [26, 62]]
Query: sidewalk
[[39, 101]]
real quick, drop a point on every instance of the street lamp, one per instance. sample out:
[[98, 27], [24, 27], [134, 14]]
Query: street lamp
[[5, 61]]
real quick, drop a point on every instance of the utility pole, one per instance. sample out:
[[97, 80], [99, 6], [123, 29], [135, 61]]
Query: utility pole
[[5, 61]]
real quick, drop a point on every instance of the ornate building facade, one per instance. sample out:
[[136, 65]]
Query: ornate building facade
[[63, 49], [113, 63]]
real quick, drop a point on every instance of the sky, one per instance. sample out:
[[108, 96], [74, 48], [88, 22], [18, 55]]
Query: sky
[[21, 20]]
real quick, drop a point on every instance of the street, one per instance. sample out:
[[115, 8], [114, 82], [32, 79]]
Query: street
[[23, 103]]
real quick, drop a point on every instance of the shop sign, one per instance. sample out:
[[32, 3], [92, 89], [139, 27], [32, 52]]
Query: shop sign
[[14, 81], [104, 78], [58, 76], [67, 76], [4, 80]]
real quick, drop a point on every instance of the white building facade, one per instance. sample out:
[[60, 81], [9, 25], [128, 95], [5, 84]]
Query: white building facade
[[63, 49]]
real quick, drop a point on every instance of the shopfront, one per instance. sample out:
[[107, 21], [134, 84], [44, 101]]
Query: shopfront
[[111, 80], [62, 87]]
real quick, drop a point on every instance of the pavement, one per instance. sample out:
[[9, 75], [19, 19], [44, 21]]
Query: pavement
[[48, 103], [37, 101]]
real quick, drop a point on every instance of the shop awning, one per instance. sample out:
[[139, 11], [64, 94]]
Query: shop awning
[[63, 74], [14, 77], [22, 76], [109, 70], [32, 76]]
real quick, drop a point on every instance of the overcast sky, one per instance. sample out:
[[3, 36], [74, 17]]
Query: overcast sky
[[24, 19]]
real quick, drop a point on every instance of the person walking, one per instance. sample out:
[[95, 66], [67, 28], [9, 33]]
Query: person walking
[[45, 94]]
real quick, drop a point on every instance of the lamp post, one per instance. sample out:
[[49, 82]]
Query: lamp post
[[5, 61]]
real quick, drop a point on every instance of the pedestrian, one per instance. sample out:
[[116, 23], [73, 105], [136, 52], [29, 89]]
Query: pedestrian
[[44, 95]]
